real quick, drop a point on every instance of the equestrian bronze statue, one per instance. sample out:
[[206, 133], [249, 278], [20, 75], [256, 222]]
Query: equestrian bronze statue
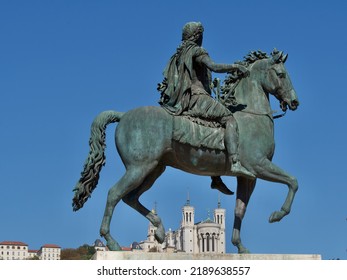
[[191, 131]]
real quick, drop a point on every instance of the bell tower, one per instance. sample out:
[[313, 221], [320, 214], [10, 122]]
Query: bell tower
[[187, 226], [219, 218]]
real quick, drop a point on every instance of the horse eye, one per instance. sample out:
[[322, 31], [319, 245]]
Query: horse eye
[[281, 75]]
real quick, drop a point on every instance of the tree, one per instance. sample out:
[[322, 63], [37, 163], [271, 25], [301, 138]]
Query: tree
[[84, 252]]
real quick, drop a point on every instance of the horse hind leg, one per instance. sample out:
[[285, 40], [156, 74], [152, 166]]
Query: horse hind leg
[[131, 180], [245, 189], [273, 173], [132, 199]]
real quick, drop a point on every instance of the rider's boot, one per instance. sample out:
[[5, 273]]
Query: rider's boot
[[218, 184], [231, 140], [237, 169]]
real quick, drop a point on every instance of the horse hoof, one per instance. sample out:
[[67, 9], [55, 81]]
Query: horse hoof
[[244, 251], [113, 246], [276, 216]]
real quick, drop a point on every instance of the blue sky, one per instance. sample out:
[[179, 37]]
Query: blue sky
[[63, 62]]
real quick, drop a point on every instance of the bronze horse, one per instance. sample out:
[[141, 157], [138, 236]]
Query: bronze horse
[[145, 144]]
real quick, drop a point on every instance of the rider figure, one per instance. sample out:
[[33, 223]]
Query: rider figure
[[186, 90]]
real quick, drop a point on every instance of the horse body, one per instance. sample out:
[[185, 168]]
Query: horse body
[[155, 128], [145, 144]]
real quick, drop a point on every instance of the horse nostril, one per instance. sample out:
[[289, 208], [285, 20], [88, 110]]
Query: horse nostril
[[295, 103]]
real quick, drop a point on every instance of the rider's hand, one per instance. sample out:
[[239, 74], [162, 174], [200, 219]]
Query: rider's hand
[[243, 70]]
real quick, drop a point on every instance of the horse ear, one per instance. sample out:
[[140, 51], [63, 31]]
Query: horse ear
[[276, 56], [284, 58], [279, 57]]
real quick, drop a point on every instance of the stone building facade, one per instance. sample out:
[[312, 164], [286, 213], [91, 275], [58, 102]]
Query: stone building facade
[[49, 252], [205, 237], [16, 250], [13, 250]]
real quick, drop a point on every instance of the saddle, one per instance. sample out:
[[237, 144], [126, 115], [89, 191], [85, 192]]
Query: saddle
[[198, 133]]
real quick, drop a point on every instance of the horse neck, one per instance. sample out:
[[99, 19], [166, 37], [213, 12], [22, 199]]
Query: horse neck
[[250, 92]]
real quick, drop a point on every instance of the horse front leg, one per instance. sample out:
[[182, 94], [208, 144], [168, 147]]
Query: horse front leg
[[245, 189], [270, 172]]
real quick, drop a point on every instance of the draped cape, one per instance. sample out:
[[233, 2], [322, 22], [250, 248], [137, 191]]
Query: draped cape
[[178, 75]]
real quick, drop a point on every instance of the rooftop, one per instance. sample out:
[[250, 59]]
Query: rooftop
[[50, 246], [16, 243]]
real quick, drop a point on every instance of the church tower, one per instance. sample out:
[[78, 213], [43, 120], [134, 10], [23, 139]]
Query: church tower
[[187, 226], [219, 218]]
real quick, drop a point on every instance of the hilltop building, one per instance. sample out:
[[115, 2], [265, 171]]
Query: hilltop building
[[13, 250], [99, 245], [49, 252], [205, 237], [16, 250]]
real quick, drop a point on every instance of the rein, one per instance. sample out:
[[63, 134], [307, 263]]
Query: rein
[[269, 114], [280, 115]]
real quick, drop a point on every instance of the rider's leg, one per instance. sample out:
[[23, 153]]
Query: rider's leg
[[218, 184], [231, 141]]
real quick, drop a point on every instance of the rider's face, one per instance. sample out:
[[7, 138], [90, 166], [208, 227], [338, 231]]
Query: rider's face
[[199, 41]]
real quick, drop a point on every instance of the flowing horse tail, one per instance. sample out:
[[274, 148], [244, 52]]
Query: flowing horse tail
[[96, 158]]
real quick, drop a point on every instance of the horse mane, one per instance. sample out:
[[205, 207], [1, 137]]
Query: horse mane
[[249, 59], [253, 56], [233, 78]]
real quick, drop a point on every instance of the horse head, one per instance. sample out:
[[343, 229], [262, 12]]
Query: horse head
[[278, 83], [267, 75]]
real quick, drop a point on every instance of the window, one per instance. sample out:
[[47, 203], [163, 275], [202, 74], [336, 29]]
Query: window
[[213, 241], [202, 243], [208, 242]]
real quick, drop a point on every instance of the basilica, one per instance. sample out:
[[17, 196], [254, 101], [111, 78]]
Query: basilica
[[205, 237]]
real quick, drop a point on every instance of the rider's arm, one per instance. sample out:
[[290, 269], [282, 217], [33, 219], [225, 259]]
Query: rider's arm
[[218, 67]]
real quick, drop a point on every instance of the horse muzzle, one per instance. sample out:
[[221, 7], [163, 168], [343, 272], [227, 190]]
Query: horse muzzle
[[292, 105]]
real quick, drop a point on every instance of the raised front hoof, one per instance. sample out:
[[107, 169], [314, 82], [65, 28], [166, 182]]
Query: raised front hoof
[[277, 216], [160, 234]]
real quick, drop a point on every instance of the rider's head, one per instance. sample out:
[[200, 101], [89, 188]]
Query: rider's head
[[193, 31]]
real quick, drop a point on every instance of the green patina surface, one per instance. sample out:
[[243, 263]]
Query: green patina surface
[[150, 138]]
